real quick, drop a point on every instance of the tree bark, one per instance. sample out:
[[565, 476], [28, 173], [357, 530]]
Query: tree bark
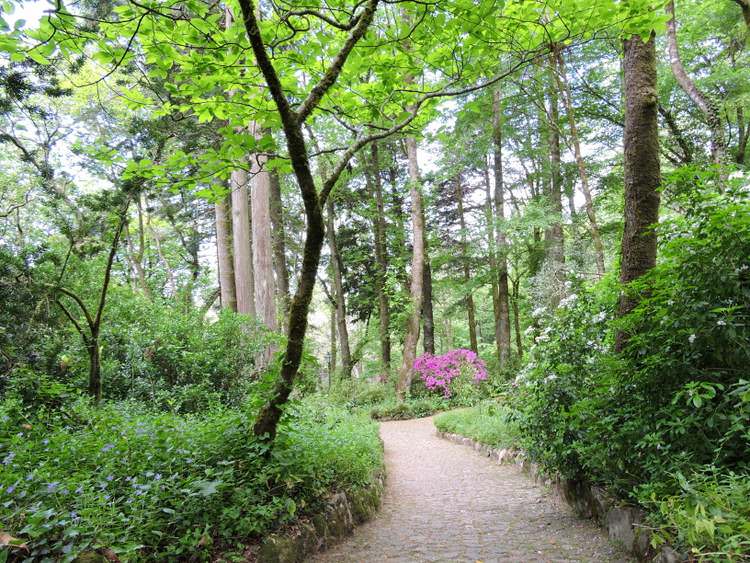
[[95, 369], [502, 323], [263, 279], [704, 103], [338, 293], [641, 168], [428, 315], [564, 87], [417, 271], [470, 310], [489, 217], [242, 244], [278, 239], [224, 255], [554, 238], [381, 259], [517, 317]]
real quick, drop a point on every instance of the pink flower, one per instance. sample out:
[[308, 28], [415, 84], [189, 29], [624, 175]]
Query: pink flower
[[438, 371]]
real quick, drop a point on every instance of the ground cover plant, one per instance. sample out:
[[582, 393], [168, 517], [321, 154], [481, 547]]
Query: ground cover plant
[[145, 485], [489, 422]]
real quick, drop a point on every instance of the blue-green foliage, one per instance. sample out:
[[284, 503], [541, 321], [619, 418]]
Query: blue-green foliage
[[162, 486]]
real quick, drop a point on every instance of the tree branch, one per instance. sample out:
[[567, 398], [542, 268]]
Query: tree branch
[[413, 112], [108, 271], [329, 78], [81, 305]]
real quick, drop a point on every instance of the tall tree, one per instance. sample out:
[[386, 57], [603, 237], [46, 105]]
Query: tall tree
[[489, 219], [553, 236], [470, 309], [564, 87], [428, 313], [704, 102], [502, 322], [224, 254], [642, 174], [381, 259], [278, 235], [417, 269], [338, 292], [242, 243], [263, 276]]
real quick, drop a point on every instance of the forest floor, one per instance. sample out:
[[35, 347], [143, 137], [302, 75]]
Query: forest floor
[[445, 502]]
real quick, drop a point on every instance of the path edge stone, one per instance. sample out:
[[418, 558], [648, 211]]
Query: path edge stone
[[341, 513], [624, 524]]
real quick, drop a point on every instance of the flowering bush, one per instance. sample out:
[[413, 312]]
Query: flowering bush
[[438, 372]]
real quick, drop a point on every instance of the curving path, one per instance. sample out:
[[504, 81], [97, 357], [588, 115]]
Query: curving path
[[445, 502]]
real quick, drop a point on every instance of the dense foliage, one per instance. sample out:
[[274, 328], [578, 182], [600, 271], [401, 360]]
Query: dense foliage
[[668, 419], [149, 485], [233, 232]]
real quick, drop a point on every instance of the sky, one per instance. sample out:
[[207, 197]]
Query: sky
[[31, 12]]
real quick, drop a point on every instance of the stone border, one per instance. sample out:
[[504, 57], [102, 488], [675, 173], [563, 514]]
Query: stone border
[[341, 513], [623, 523]]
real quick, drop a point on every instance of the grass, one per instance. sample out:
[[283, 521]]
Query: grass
[[488, 422]]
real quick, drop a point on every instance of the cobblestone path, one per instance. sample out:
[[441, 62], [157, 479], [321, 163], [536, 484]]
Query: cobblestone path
[[445, 502]]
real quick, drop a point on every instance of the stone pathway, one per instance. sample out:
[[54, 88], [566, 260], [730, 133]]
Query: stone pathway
[[445, 502]]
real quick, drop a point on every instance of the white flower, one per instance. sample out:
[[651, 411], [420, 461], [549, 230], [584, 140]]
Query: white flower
[[736, 175], [600, 317], [550, 377], [538, 312], [691, 338], [721, 322], [569, 300], [529, 331]]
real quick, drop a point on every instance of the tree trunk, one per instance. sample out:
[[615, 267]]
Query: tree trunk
[[502, 324], [517, 317], [266, 424], [704, 103], [334, 348], [224, 255], [260, 208], [428, 317], [417, 271], [242, 244], [641, 168], [381, 260], [95, 369], [554, 238], [489, 218], [470, 311], [564, 88], [278, 238], [338, 293]]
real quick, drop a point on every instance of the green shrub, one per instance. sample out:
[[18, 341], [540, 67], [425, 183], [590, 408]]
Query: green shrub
[[410, 408], [710, 513], [489, 423], [162, 486], [675, 399]]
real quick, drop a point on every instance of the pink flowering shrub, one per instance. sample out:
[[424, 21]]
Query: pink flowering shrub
[[442, 372]]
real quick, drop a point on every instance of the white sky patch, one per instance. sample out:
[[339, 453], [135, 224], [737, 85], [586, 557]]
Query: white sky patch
[[30, 12]]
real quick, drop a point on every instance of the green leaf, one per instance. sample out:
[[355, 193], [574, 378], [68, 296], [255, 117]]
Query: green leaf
[[36, 56]]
